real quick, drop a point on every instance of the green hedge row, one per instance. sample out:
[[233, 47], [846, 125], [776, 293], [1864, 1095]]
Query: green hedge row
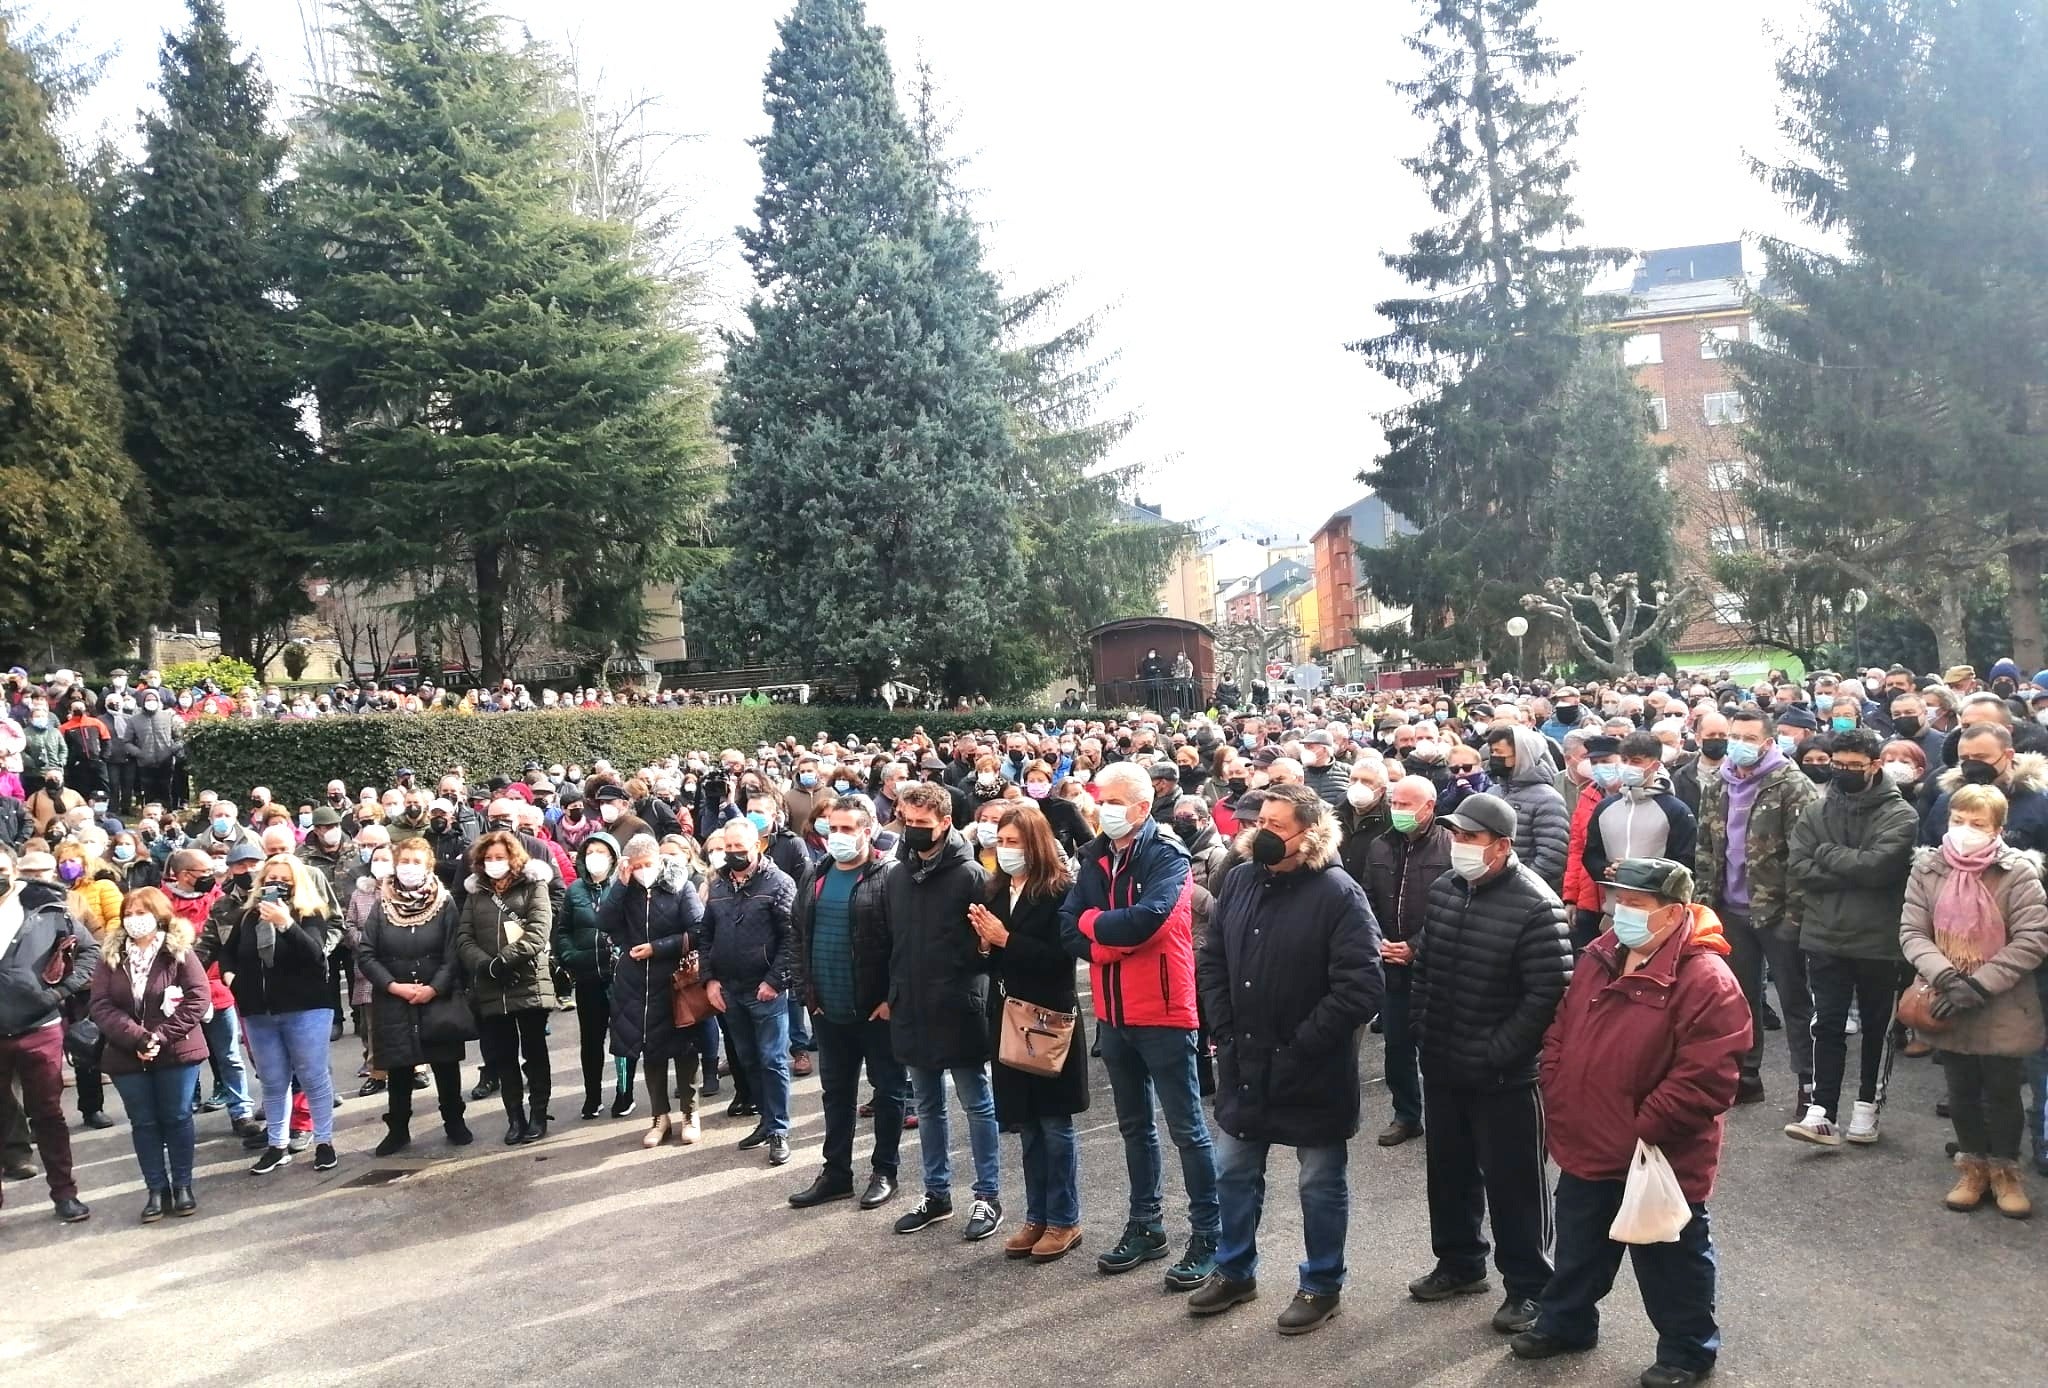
[[297, 758]]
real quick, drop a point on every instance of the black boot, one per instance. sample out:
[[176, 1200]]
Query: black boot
[[458, 1131], [397, 1135], [537, 1118]]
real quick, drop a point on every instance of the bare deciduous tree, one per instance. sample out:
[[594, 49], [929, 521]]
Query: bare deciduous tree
[[1604, 618]]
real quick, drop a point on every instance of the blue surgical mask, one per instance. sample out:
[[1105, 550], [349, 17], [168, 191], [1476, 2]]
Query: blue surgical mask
[[759, 820], [821, 827], [1631, 776], [221, 825], [1842, 724], [844, 848], [1606, 774], [1632, 926], [807, 779], [1787, 743], [1742, 754]]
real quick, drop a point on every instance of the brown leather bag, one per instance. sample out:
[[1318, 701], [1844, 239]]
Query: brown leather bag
[[690, 997], [1035, 1039], [1916, 1009], [59, 963]]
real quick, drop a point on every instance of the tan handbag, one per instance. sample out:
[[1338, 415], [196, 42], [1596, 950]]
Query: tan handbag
[[1916, 1009], [1035, 1039]]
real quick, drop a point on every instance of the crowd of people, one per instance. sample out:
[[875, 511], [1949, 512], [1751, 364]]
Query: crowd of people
[[1564, 910]]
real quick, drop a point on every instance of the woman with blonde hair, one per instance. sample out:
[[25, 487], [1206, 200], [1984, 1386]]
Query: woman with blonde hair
[[276, 964], [502, 941], [408, 955], [1975, 928], [93, 896], [149, 996]]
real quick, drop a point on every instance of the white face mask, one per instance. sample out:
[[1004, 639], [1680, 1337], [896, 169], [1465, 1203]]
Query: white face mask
[[1116, 820], [716, 858], [380, 870], [600, 865], [139, 927], [1468, 860], [411, 874], [1900, 772], [1429, 749], [1010, 860], [1968, 841], [645, 876], [611, 810], [1361, 795], [496, 868], [985, 833]]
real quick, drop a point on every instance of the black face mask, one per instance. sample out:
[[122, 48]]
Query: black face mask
[[1906, 725], [1977, 773], [1187, 830], [1268, 848], [1238, 783], [919, 838], [440, 823], [1568, 714], [203, 884], [1498, 768], [736, 867], [1820, 775], [336, 800], [1714, 748], [501, 826], [1854, 782]]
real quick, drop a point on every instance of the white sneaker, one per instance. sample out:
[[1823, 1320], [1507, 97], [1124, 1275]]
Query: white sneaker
[[1814, 1128], [1863, 1124]]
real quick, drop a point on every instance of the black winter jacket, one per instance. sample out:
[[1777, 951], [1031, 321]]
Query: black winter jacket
[[1490, 968], [938, 976], [295, 979], [669, 917], [1289, 974], [26, 1002], [1399, 871], [870, 941], [1849, 858], [423, 953], [746, 936], [1036, 967]]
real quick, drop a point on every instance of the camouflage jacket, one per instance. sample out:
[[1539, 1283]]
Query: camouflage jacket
[[1773, 897]]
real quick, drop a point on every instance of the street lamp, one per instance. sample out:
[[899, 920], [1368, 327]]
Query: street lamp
[[1518, 627]]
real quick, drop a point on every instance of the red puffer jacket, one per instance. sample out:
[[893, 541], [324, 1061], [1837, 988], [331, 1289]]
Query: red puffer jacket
[[1650, 1055], [1580, 890], [193, 910], [1131, 916]]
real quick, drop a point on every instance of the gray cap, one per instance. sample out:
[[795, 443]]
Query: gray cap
[[244, 852], [1483, 814], [1319, 738]]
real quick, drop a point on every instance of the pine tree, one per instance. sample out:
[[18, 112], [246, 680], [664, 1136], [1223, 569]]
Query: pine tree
[[871, 510], [1610, 511], [516, 434], [1899, 406], [77, 574], [1490, 341], [207, 366]]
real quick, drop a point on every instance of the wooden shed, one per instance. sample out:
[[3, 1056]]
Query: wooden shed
[[1117, 653]]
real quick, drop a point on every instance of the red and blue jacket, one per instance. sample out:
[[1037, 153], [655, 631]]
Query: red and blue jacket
[[1130, 914]]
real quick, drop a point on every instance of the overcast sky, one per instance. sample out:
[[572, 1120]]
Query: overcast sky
[[1223, 177]]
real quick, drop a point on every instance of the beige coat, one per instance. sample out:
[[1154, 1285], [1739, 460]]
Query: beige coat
[[2010, 1023]]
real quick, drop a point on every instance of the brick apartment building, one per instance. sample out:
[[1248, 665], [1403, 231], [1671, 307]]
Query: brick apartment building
[[1343, 606], [1686, 303]]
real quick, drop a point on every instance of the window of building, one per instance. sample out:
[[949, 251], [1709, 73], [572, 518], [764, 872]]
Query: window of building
[[1642, 349], [1713, 340], [1728, 539], [1727, 477], [1728, 609], [1660, 416], [1724, 407]]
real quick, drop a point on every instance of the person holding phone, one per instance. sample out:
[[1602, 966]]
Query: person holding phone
[[149, 996], [275, 962]]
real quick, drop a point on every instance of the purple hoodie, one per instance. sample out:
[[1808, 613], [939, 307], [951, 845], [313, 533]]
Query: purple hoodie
[[1742, 792]]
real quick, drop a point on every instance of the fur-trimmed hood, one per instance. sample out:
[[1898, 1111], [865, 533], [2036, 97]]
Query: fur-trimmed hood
[[1318, 846], [536, 870], [2029, 772]]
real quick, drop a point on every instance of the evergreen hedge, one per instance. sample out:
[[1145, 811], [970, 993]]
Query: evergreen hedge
[[296, 758]]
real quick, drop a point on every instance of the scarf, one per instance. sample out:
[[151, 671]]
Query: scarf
[[1968, 927], [410, 906], [1743, 788]]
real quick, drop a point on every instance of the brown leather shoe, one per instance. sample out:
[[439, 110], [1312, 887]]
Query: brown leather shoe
[[1055, 1242], [800, 1064], [1019, 1244], [1973, 1181], [2007, 1191]]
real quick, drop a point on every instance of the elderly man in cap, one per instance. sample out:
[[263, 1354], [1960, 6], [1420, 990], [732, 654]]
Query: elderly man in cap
[[1646, 1047], [1488, 971]]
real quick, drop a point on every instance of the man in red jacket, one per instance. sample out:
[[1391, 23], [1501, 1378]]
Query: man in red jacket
[[189, 882], [1646, 1047]]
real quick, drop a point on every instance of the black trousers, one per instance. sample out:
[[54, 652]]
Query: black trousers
[[504, 1040], [656, 1073], [1873, 985], [121, 782], [1486, 1156], [1749, 949], [593, 1029], [1984, 1103], [843, 1047], [154, 783], [447, 1088]]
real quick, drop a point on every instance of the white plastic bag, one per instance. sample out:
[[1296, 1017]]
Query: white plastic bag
[[1653, 1208]]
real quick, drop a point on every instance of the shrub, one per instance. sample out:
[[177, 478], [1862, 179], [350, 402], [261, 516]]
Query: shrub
[[295, 658], [296, 758], [227, 672]]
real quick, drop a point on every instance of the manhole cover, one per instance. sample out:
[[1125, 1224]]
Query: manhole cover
[[377, 1176]]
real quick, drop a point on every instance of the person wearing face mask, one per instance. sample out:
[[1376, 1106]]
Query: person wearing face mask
[[1646, 1046], [36, 934], [1069, 830], [159, 740], [766, 810], [409, 958], [275, 961], [1489, 968], [1209, 856], [148, 994], [1320, 772], [615, 813], [1691, 772], [1565, 716], [588, 957], [221, 828], [1640, 819], [1850, 853], [1362, 817], [650, 919], [452, 830], [1975, 930], [1399, 868], [502, 939], [981, 834], [189, 886], [93, 896], [841, 927], [1986, 756], [749, 958], [355, 914], [119, 762]]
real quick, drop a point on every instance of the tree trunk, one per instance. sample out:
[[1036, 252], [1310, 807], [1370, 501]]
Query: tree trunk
[[145, 650], [490, 613], [1947, 623], [2023, 606]]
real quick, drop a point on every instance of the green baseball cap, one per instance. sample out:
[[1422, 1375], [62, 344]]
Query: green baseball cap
[[1657, 876]]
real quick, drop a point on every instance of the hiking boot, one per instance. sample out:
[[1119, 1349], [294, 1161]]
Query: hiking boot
[[2007, 1191], [1308, 1311], [1020, 1244], [1140, 1244], [688, 1133], [1862, 1124], [1442, 1286], [1815, 1128], [800, 1064], [1216, 1294], [1749, 1089], [657, 1131], [1973, 1183], [1197, 1262]]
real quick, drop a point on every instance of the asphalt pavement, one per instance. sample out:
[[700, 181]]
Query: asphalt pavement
[[585, 1260]]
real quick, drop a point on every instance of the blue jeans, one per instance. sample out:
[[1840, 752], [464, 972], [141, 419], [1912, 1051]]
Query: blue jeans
[[1325, 1210], [1052, 1172], [1676, 1279], [978, 1102], [224, 1041], [293, 1046], [799, 1022], [159, 1105], [1140, 1061], [760, 1045], [1404, 1079]]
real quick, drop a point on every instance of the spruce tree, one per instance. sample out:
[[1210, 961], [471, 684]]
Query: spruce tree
[[77, 574], [1899, 405], [207, 365], [1490, 338], [870, 514], [1610, 511], [515, 434]]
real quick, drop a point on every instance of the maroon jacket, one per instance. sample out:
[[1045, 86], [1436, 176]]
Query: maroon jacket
[[1651, 1055], [127, 1026]]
